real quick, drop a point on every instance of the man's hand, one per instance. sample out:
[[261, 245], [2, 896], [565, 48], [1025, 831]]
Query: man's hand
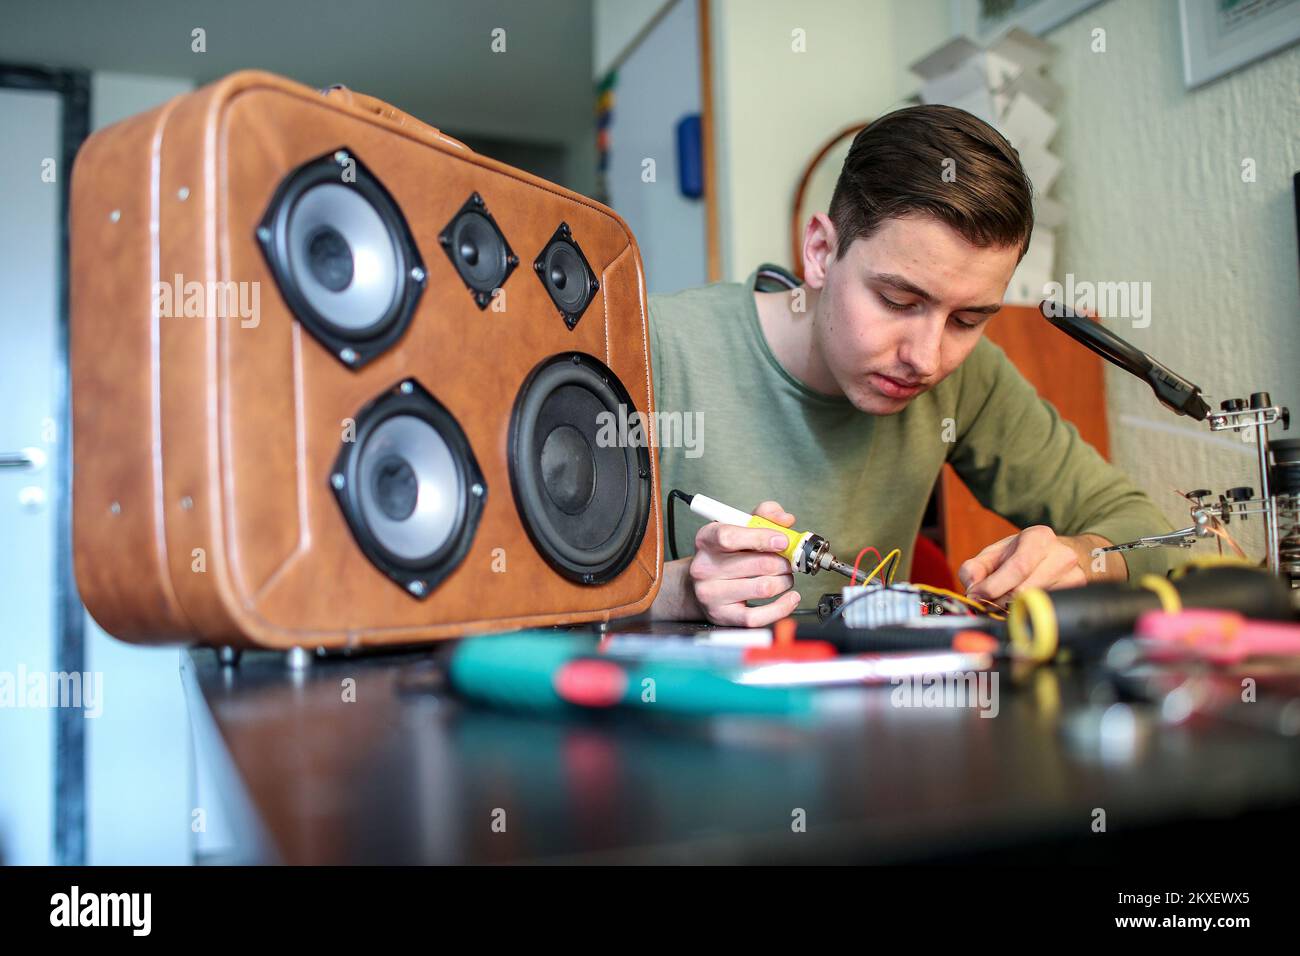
[[732, 565], [1037, 558]]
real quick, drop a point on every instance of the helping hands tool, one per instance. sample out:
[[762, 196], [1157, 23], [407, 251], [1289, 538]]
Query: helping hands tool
[[1278, 503]]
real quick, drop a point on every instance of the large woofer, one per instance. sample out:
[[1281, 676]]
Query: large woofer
[[343, 256], [568, 278], [478, 249], [580, 467], [409, 487]]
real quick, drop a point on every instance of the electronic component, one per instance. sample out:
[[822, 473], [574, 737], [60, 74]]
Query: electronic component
[[906, 604], [878, 605]]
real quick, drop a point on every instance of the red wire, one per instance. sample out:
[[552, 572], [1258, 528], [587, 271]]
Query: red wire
[[858, 561]]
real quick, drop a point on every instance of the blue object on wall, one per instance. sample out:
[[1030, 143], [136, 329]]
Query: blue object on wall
[[690, 156]]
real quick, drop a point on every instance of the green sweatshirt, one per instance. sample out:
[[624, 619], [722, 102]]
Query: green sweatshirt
[[739, 428]]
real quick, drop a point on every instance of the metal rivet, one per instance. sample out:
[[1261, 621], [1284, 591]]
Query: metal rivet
[[417, 274], [183, 193], [577, 359], [115, 508], [538, 265], [476, 490], [187, 503], [416, 588], [341, 158], [115, 215], [348, 355], [406, 388], [595, 285], [298, 659], [338, 481], [264, 233]]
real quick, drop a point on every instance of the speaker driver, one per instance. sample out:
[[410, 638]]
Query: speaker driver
[[568, 278], [478, 249], [410, 488], [584, 498], [342, 256]]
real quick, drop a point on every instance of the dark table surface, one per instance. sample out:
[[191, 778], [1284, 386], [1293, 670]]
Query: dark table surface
[[408, 773]]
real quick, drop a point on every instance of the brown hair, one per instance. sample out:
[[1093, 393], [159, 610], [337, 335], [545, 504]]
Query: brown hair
[[896, 167]]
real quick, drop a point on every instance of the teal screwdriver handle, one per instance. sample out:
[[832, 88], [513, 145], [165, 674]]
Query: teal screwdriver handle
[[542, 671]]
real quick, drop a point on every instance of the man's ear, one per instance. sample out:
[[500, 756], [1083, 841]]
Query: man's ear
[[819, 241]]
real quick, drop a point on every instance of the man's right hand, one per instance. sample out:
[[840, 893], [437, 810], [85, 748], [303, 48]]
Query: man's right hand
[[733, 565]]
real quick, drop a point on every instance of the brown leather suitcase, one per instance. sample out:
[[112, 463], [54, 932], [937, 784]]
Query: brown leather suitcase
[[211, 450]]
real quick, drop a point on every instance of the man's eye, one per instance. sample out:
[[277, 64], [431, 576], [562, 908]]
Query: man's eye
[[967, 325], [895, 306]]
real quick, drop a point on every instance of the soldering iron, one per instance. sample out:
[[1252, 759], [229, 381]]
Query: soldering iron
[[805, 550]]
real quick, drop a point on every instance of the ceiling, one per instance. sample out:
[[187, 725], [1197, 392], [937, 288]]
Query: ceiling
[[431, 58]]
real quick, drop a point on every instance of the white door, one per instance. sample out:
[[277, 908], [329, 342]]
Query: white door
[[29, 364]]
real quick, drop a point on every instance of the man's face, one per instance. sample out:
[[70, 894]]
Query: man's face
[[903, 308]]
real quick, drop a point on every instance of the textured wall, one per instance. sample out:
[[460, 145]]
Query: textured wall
[[775, 107], [1154, 189]]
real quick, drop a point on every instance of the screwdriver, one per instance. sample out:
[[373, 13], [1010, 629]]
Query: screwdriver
[[805, 550]]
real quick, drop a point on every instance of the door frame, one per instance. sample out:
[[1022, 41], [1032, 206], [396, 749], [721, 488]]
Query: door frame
[[69, 617]]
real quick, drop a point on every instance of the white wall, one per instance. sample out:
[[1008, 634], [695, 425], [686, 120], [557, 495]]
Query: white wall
[[138, 763], [1153, 185], [615, 24], [774, 107], [658, 84]]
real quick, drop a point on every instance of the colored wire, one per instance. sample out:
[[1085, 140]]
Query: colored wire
[[979, 604], [894, 555], [858, 560], [961, 602]]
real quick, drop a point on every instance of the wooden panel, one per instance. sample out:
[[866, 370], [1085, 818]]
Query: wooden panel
[[1067, 375]]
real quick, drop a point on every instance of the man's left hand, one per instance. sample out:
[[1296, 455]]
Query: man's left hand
[[1034, 558]]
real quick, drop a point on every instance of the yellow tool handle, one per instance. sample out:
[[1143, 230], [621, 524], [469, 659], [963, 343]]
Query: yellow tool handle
[[793, 538], [715, 510]]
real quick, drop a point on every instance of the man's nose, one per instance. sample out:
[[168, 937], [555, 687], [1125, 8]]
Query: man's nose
[[921, 349]]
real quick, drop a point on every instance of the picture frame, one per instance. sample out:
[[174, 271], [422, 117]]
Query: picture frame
[[1220, 36], [987, 19]]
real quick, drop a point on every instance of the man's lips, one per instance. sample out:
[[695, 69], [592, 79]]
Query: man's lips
[[894, 387]]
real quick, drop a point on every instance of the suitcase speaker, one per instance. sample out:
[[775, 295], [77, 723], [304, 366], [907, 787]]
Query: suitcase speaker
[[297, 423]]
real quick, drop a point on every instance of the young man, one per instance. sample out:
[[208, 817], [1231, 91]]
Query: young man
[[844, 398]]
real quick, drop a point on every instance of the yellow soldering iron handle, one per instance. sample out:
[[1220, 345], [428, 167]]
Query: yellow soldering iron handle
[[714, 510]]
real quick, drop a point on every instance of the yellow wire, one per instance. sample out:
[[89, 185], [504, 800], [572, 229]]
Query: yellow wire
[[1170, 600], [896, 553], [895, 556], [969, 602], [1210, 561]]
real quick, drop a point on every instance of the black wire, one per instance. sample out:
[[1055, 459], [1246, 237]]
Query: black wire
[[672, 524]]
